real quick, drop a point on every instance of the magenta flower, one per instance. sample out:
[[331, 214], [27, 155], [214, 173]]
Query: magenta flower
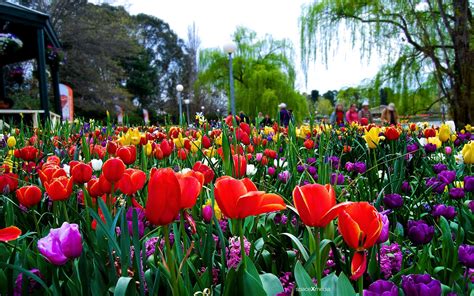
[[233, 252], [61, 244]]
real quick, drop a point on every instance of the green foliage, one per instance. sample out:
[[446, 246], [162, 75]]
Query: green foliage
[[264, 75], [324, 107]]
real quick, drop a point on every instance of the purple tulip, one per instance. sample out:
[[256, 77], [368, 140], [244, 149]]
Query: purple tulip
[[430, 148], [349, 166], [393, 201], [381, 288], [284, 176], [312, 170], [412, 148], [300, 168], [61, 244], [447, 212], [385, 229], [420, 285], [271, 171], [456, 193], [439, 167], [207, 213], [406, 188], [466, 255], [333, 161], [436, 185], [360, 167], [337, 179], [311, 160], [448, 150], [140, 219], [419, 232], [469, 183], [471, 206], [447, 177]]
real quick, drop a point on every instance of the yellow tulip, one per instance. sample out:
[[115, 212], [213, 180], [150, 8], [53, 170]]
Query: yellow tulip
[[444, 133], [148, 148], [195, 146], [179, 141], [11, 142], [268, 130], [218, 140], [468, 127], [468, 153], [372, 137], [435, 140], [134, 136]]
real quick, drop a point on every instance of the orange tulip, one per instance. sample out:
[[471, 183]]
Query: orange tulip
[[165, 195], [59, 188], [132, 181], [29, 196], [9, 233], [316, 204], [240, 198], [392, 133], [360, 226]]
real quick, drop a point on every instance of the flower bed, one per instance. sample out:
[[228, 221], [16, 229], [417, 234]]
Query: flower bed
[[91, 209]]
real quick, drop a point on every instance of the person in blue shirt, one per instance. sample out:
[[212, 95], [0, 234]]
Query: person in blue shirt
[[284, 115]]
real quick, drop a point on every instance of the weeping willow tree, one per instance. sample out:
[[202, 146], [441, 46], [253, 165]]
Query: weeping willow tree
[[264, 75], [427, 44]]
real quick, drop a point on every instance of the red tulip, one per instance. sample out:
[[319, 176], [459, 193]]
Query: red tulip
[[50, 172], [245, 127], [205, 170], [166, 147], [59, 188], [309, 144], [9, 233], [316, 204], [360, 226], [113, 169], [158, 153], [8, 182], [392, 133], [183, 153], [29, 196], [190, 184], [27, 153], [240, 198], [206, 142], [80, 172], [240, 166], [429, 132], [164, 197], [111, 147], [127, 153], [132, 181], [93, 187], [105, 185]]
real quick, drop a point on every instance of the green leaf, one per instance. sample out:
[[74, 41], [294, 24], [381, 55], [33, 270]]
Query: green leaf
[[344, 286], [271, 284], [303, 280], [298, 244], [329, 283], [122, 286], [252, 285]]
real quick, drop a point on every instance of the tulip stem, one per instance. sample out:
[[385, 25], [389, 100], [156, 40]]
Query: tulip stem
[[242, 245], [170, 261], [318, 259], [361, 285], [87, 203]]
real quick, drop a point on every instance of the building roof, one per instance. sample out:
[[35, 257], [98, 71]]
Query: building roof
[[24, 23]]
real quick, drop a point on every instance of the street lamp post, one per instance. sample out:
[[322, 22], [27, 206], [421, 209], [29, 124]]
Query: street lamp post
[[230, 48], [180, 88], [186, 102]]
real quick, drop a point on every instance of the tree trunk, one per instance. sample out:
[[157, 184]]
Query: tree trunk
[[462, 102]]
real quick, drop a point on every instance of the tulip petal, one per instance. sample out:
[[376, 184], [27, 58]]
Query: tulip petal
[[227, 191], [190, 189], [9, 233], [349, 230], [334, 212], [270, 202], [164, 195], [358, 265], [249, 203], [249, 185]]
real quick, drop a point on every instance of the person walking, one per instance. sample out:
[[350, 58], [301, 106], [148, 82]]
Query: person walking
[[352, 115], [284, 115], [365, 116], [338, 117], [390, 115]]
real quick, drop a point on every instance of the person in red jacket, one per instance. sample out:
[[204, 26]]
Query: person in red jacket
[[352, 115]]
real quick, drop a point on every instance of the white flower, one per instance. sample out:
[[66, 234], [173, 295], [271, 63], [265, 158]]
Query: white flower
[[459, 158], [438, 157], [67, 169], [251, 170], [185, 170], [282, 163], [96, 164], [423, 141], [452, 125], [214, 161]]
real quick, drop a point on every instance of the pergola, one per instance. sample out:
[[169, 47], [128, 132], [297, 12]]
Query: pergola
[[35, 30]]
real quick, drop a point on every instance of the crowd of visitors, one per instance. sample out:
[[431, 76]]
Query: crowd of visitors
[[363, 116]]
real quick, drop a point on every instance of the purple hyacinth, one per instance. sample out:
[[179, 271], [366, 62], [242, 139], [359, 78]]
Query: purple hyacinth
[[233, 252], [32, 284], [288, 283], [312, 170], [456, 193], [393, 200], [439, 167], [381, 288], [466, 255], [300, 168], [447, 212], [420, 285], [280, 219], [469, 183], [419, 232], [390, 260], [311, 160]]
